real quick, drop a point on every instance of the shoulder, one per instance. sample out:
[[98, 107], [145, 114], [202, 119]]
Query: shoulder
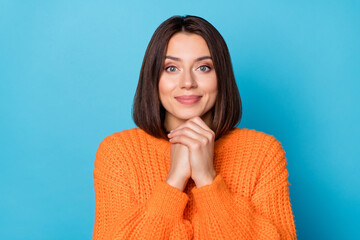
[[132, 132], [249, 133], [124, 137], [269, 148], [264, 147], [118, 146], [252, 138]]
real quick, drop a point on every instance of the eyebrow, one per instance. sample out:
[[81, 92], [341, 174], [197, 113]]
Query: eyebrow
[[196, 60]]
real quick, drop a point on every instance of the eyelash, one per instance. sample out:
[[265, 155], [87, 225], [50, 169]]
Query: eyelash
[[198, 67]]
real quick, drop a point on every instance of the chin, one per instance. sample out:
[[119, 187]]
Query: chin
[[187, 116]]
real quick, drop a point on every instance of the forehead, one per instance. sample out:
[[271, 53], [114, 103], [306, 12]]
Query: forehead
[[187, 44]]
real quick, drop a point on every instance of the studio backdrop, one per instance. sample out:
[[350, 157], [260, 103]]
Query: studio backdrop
[[69, 71]]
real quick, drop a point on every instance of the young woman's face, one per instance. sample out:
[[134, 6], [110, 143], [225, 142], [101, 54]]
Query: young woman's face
[[188, 82]]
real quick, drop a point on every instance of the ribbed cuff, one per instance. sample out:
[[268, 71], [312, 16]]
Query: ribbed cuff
[[213, 197], [167, 201]]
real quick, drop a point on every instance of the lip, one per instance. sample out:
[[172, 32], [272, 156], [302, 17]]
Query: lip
[[188, 99]]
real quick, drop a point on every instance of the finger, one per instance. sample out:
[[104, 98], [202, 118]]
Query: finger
[[196, 120], [189, 132], [200, 122], [194, 126], [187, 141], [205, 131]]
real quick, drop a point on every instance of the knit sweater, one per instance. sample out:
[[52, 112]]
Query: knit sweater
[[248, 198]]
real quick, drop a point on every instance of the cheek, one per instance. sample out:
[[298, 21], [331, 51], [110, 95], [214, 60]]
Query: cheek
[[165, 89], [213, 87], [162, 89], [210, 86], [212, 90], [214, 83]]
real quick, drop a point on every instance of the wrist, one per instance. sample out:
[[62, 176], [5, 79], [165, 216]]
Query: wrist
[[206, 179], [178, 183]]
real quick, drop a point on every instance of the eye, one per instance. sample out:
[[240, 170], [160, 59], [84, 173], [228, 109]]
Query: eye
[[204, 68], [170, 69]]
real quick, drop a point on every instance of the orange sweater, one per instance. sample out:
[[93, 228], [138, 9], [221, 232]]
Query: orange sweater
[[248, 199]]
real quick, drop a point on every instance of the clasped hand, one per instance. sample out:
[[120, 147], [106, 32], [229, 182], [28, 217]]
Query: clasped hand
[[199, 139]]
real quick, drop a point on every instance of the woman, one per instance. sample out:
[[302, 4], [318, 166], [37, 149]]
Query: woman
[[187, 172]]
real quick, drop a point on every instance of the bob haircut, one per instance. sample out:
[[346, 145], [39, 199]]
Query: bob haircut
[[148, 112]]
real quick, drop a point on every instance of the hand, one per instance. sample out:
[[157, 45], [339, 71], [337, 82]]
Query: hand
[[180, 170], [199, 139]]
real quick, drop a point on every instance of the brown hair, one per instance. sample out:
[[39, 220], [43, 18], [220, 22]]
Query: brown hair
[[148, 112]]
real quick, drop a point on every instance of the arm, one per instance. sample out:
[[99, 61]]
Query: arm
[[267, 215], [117, 216]]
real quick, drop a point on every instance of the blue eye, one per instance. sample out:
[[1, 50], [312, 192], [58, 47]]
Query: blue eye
[[203, 68], [172, 68]]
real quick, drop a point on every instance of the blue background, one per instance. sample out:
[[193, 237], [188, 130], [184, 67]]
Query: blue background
[[69, 70]]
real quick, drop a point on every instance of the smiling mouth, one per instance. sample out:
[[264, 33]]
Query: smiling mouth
[[188, 100]]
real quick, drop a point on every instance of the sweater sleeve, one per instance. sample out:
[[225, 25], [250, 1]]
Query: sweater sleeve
[[266, 215], [118, 216]]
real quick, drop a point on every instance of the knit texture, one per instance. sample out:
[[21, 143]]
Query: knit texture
[[248, 199]]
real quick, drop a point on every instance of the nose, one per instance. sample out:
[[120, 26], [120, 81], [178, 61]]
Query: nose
[[187, 80]]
